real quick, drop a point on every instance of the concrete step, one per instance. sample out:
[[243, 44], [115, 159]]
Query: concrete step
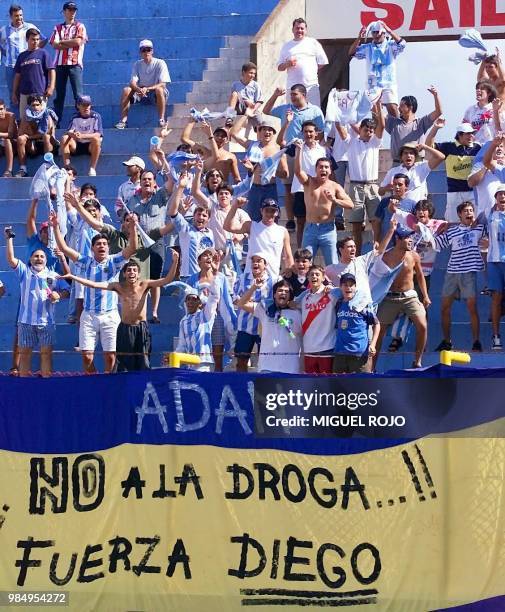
[[19, 188], [37, 10], [139, 27]]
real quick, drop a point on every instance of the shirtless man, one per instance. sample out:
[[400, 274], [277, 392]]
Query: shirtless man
[[214, 155], [258, 151], [322, 196], [8, 133], [133, 343], [402, 297]]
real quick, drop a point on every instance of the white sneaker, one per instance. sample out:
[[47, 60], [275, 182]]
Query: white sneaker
[[496, 344], [92, 172]]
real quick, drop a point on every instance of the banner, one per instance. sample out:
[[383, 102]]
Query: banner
[[151, 491], [425, 18]]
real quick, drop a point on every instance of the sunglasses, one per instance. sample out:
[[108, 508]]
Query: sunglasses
[[146, 49]]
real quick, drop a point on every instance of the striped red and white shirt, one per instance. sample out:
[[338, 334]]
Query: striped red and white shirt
[[72, 56]]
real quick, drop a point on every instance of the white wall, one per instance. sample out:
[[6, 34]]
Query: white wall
[[443, 64]]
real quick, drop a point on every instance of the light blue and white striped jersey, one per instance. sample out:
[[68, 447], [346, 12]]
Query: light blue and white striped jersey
[[192, 242], [463, 240], [225, 307], [82, 233], [246, 321], [195, 330], [13, 42], [34, 305], [496, 232], [100, 300]]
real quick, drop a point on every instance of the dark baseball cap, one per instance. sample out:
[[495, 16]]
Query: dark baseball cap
[[269, 203], [84, 100], [70, 5], [403, 232], [347, 278]]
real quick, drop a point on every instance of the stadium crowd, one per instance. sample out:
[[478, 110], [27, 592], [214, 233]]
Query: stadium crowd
[[230, 258]]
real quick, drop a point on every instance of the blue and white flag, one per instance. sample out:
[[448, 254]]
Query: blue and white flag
[[207, 115], [472, 39]]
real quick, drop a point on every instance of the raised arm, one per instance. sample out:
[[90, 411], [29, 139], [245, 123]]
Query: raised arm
[[497, 104], [89, 283], [175, 198], [281, 141], [96, 224], [360, 40], [301, 174], [169, 276], [279, 91], [9, 249], [437, 125], [133, 241], [434, 157], [231, 224], [31, 225], [245, 302], [60, 241], [435, 114], [381, 122], [383, 245], [186, 133], [196, 186]]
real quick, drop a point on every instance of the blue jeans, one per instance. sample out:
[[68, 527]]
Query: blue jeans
[[9, 77], [63, 73], [255, 197], [321, 236]]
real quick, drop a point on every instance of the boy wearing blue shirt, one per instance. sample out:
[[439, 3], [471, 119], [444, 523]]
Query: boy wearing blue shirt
[[352, 348]]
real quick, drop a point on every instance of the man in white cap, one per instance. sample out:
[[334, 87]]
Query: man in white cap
[[148, 84], [459, 155], [126, 190], [380, 55]]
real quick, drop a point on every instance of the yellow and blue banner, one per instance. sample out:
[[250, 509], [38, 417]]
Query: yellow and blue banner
[[160, 491]]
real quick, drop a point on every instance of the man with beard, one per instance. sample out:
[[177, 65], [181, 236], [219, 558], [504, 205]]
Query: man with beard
[[322, 196], [281, 328], [402, 297], [35, 322], [133, 341]]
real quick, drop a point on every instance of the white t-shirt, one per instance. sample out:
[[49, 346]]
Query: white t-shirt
[[484, 191], [217, 217], [309, 54], [481, 120], [308, 160], [149, 74], [363, 158], [267, 239], [279, 352], [320, 333], [339, 150], [418, 173], [359, 267]]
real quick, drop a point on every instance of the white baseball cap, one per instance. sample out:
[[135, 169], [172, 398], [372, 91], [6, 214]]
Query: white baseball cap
[[135, 161], [146, 43], [465, 128], [499, 188]]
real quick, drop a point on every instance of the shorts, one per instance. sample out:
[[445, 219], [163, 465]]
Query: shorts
[[496, 276], [256, 195], [454, 199], [149, 99], [81, 148], [245, 342], [133, 346], [389, 95], [392, 306], [318, 363], [299, 209], [346, 364], [98, 326], [365, 197], [31, 336], [462, 285], [217, 334]]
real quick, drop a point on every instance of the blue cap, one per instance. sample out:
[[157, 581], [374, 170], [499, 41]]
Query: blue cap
[[403, 232]]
